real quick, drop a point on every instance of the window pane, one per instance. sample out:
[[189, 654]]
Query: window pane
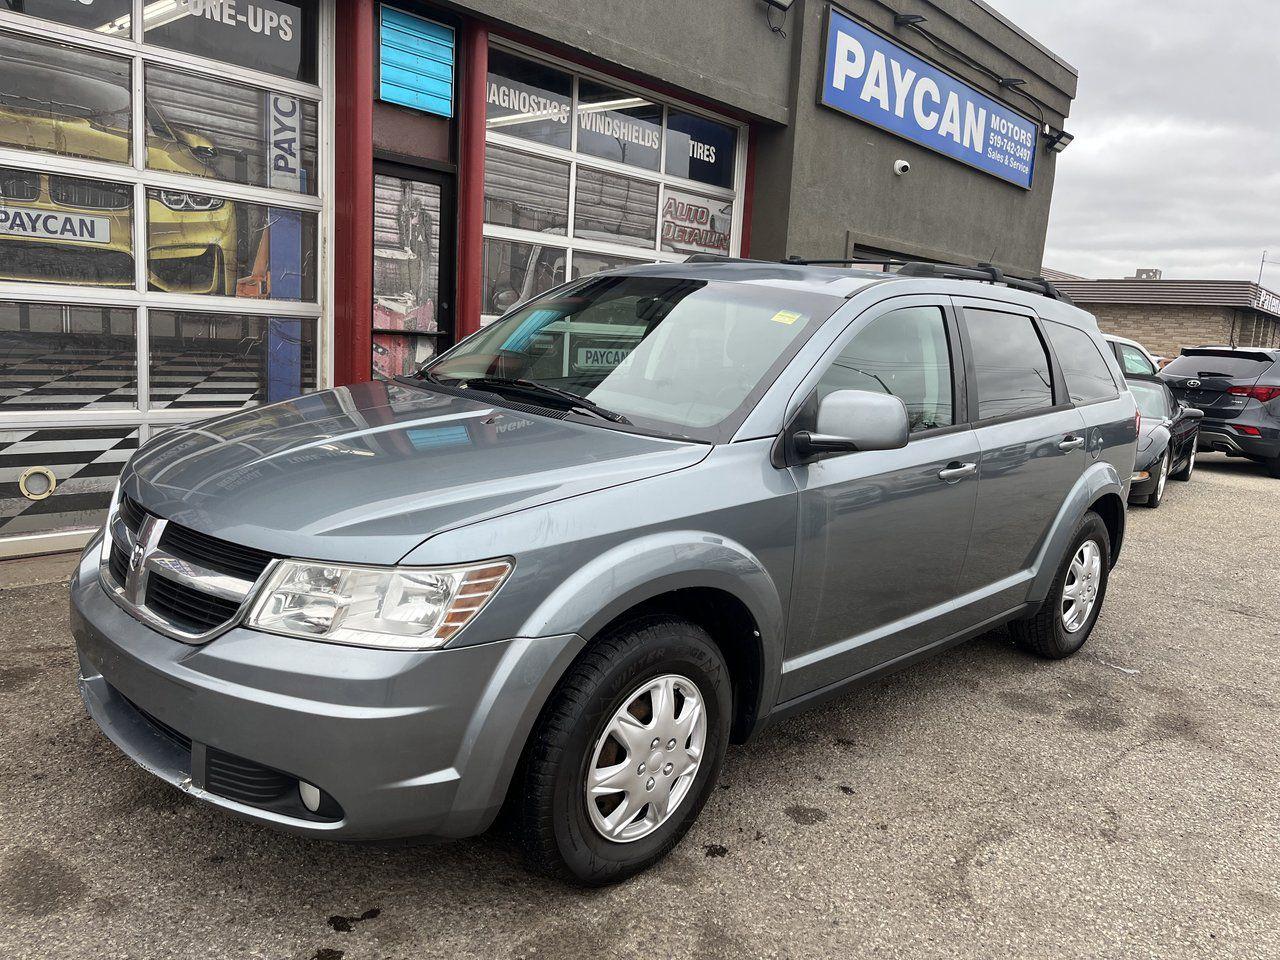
[[59, 357], [529, 100], [228, 360], [905, 354], [700, 149], [1152, 398], [207, 245], [58, 99], [694, 224], [108, 17], [406, 254], [211, 128], [63, 229], [521, 190], [1135, 361], [400, 354], [1087, 374], [84, 462], [612, 207], [586, 263], [273, 36], [514, 272], [618, 126], [1011, 364]]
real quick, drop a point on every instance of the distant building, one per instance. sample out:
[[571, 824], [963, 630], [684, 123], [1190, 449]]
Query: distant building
[[1167, 315]]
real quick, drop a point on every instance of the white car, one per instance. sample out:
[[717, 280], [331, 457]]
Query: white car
[[1133, 356]]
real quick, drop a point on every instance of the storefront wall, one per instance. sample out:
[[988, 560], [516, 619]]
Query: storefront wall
[[164, 188]]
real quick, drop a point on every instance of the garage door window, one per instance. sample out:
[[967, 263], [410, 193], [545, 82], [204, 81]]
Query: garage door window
[[161, 216], [583, 173]]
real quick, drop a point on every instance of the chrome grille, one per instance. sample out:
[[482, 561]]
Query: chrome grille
[[89, 194], [185, 584]]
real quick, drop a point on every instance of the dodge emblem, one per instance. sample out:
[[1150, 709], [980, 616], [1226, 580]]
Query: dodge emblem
[[135, 558]]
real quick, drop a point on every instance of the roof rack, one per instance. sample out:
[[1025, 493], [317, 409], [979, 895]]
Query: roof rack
[[985, 272]]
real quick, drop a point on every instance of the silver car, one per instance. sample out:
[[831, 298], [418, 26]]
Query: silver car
[[565, 565]]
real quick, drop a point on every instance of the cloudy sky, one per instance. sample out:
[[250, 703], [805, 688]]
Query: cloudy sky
[[1176, 161]]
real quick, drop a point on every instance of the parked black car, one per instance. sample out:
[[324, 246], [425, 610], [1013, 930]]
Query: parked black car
[[1238, 388], [1167, 436]]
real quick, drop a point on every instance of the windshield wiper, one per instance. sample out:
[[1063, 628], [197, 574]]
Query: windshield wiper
[[541, 391]]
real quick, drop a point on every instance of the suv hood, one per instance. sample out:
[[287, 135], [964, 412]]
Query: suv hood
[[363, 474]]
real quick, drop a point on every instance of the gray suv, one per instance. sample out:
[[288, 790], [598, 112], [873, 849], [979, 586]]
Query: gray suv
[[635, 520]]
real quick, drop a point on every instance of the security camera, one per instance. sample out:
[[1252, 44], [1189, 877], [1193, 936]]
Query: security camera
[[900, 167]]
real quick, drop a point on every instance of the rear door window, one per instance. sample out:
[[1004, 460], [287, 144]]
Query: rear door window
[[1087, 374], [1133, 360], [1010, 363]]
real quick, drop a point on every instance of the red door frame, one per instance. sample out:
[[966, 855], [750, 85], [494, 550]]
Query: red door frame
[[354, 59]]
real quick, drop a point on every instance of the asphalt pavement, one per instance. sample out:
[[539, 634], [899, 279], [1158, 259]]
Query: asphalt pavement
[[1124, 803]]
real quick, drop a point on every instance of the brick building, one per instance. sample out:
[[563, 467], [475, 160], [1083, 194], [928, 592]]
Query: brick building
[[1167, 315]]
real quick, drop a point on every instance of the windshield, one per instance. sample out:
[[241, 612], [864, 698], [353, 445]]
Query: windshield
[[675, 355], [1153, 402]]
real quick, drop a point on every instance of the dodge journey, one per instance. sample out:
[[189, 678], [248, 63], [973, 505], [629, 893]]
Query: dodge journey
[[566, 564]]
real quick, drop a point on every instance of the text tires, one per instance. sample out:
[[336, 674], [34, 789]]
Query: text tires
[[1064, 621], [625, 753]]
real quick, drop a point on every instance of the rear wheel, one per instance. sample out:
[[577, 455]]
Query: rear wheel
[[1064, 621], [1190, 467], [626, 753], [1273, 466]]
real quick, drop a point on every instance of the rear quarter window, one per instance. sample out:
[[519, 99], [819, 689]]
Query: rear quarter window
[[1087, 374]]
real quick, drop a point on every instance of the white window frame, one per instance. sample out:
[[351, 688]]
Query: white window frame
[[566, 241], [136, 173]]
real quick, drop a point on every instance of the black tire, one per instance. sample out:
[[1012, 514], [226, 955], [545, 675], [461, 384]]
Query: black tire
[[1156, 497], [1044, 632], [1273, 467], [1188, 468], [553, 823]]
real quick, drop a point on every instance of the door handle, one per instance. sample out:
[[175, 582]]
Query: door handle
[[1071, 442], [955, 471]]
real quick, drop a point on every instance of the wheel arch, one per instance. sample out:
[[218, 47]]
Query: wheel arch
[[1099, 489], [706, 578]]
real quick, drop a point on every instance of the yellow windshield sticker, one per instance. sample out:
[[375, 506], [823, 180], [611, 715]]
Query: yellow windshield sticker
[[786, 316]]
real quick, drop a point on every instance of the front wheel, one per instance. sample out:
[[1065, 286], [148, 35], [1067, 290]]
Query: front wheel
[[626, 753], [1062, 624], [1162, 477]]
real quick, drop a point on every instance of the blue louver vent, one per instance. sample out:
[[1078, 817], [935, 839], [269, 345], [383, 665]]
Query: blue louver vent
[[415, 63]]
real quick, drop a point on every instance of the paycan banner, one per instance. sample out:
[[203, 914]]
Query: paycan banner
[[871, 78]]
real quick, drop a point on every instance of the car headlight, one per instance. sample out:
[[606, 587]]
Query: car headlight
[[396, 608], [181, 200]]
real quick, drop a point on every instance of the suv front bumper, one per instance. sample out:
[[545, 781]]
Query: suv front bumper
[[406, 743]]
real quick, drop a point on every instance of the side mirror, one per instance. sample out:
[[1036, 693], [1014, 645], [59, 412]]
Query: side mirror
[[850, 421], [1191, 413]]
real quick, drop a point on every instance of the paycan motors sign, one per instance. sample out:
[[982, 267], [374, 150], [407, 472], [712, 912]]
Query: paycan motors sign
[[871, 78]]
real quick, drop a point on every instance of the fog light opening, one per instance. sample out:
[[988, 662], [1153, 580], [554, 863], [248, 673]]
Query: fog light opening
[[310, 796]]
